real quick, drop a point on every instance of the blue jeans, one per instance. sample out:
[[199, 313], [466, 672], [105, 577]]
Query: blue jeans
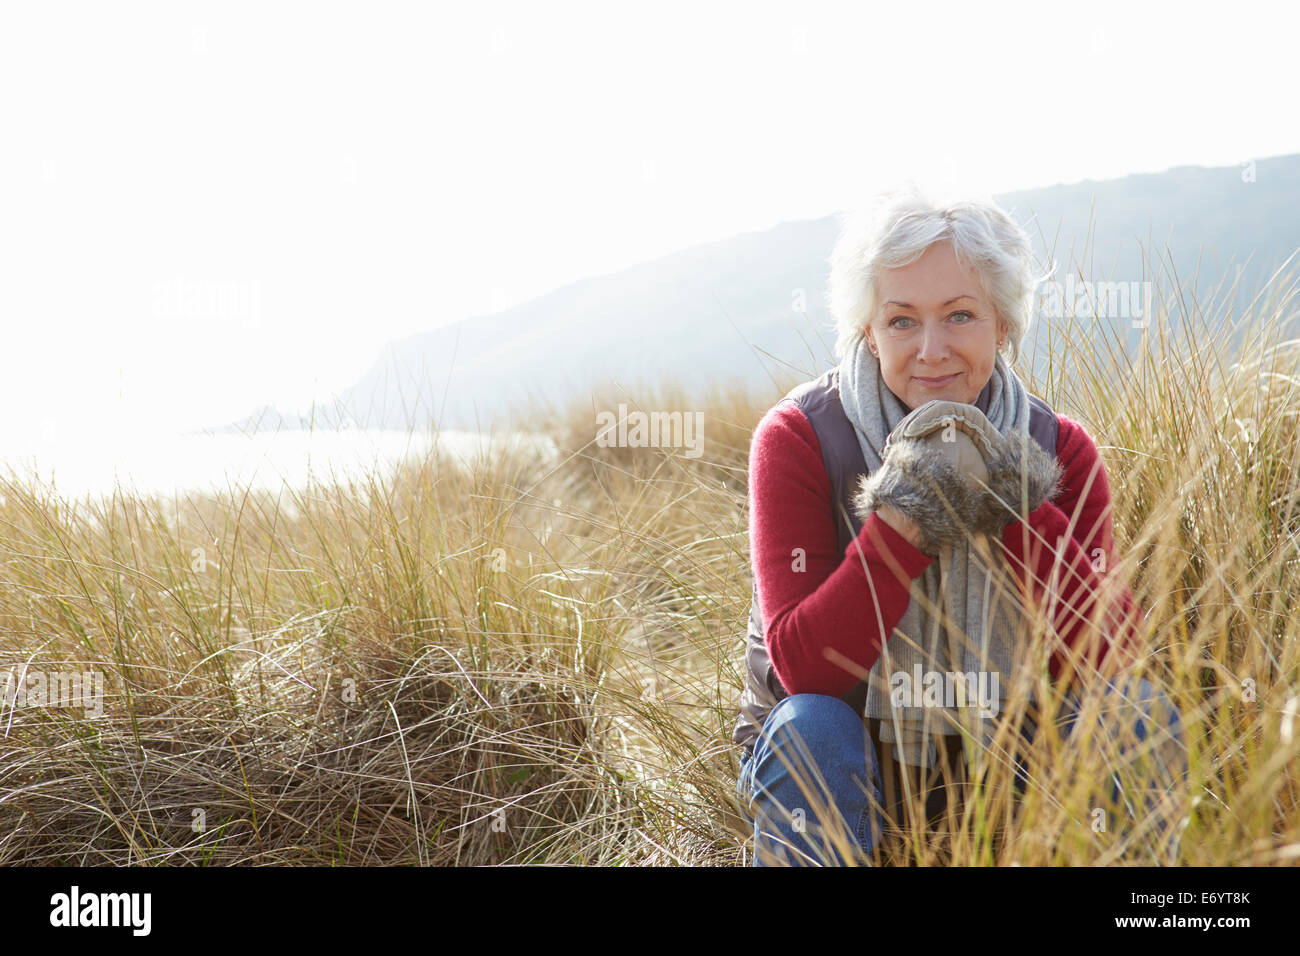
[[814, 772]]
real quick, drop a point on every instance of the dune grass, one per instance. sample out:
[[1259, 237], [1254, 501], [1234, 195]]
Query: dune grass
[[537, 660]]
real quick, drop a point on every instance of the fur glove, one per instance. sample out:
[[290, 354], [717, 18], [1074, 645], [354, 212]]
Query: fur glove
[[952, 473]]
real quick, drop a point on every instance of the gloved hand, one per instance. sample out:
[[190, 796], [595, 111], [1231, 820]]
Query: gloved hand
[[1021, 477], [952, 473]]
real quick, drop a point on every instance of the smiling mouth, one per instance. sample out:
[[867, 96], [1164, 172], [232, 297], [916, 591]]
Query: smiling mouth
[[937, 381]]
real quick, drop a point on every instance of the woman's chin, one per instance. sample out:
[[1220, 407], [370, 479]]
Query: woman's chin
[[949, 393]]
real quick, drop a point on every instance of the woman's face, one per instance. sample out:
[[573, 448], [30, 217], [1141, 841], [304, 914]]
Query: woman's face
[[936, 334]]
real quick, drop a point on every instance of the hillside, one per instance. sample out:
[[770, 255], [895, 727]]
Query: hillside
[[731, 308]]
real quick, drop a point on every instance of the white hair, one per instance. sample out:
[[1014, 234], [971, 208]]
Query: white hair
[[897, 229]]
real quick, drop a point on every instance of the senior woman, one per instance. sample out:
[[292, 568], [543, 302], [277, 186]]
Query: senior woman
[[888, 499]]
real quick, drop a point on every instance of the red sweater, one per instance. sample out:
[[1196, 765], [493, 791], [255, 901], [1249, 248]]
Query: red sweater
[[838, 604]]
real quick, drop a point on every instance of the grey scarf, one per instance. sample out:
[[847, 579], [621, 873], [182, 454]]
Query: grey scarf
[[980, 628]]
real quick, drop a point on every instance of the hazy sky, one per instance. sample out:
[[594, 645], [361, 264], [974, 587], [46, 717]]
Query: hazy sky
[[208, 207]]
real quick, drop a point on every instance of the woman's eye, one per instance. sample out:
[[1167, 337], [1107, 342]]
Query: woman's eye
[[968, 316], [899, 318]]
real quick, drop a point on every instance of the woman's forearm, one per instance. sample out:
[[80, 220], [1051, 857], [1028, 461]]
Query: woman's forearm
[[810, 634]]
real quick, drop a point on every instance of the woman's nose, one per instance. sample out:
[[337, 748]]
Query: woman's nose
[[934, 345]]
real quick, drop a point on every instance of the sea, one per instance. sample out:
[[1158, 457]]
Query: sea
[[207, 461]]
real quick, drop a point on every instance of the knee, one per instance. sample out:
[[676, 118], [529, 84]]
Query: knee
[[818, 722], [1151, 703], [1151, 719]]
